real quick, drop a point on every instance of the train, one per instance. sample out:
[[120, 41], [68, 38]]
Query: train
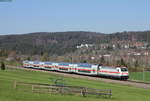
[[80, 68]]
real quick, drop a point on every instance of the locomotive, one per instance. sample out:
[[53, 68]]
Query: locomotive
[[80, 68]]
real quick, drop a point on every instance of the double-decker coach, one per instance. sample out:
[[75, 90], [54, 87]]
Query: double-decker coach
[[88, 69]]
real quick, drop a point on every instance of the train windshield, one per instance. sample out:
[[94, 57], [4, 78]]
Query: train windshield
[[124, 69]]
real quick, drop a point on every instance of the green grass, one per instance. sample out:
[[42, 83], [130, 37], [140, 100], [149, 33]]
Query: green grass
[[140, 76], [119, 92]]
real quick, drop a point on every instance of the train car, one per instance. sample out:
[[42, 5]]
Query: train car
[[32, 64], [64, 67], [124, 73], [87, 69], [113, 72]]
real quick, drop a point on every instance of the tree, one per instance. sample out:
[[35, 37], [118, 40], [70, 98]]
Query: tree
[[3, 53], [84, 61], [2, 66], [28, 58], [45, 57], [136, 65], [121, 62], [102, 60]]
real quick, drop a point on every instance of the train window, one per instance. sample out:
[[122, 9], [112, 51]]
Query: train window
[[36, 62], [48, 63], [84, 71], [48, 67], [64, 64], [63, 69], [124, 69], [85, 65]]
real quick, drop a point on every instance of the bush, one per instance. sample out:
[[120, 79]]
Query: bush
[[2, 66]]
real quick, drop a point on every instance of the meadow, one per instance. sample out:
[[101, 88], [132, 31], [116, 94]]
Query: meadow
[[8, 93], [142, 76]]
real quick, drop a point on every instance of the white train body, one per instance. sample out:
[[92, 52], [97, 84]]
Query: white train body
[[117, 72], [80, 68]]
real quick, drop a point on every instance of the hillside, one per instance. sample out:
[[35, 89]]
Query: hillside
[[63, 42], [8, 93]]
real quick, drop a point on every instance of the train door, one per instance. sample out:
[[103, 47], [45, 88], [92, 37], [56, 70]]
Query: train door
[[98, 68]]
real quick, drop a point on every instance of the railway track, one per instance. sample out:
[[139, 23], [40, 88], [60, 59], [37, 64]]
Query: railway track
[[136, 81], [138, 84]]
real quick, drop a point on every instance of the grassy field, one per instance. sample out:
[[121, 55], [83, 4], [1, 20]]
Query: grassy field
[[140, 76], [7, 93]]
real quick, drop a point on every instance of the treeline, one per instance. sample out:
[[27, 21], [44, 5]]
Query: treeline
[[54, 43], [60, 43]]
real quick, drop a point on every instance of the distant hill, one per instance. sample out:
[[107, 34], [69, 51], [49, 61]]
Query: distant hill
[[63, 42]]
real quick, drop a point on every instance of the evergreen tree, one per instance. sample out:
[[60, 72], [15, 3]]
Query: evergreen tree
[[2, 66]]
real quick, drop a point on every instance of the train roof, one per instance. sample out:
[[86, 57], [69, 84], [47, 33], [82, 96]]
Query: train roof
[[112, 67], [62, 63], [48, 63], [85, 65], [109, 67]]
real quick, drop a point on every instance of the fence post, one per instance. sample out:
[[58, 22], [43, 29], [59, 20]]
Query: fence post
[[61, 90], [110, 93], [15, 84], [83, 92], [32, 88]]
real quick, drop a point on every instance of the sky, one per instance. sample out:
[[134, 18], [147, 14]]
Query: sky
[[105, 16]]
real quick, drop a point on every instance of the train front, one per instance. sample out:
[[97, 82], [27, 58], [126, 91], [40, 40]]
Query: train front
[[124, 73]]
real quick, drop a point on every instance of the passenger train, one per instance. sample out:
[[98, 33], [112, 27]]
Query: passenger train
[[80, 68]]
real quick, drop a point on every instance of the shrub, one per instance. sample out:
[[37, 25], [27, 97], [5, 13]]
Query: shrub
[[2, 66]]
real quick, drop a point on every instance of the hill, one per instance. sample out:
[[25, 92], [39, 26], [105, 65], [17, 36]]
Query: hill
[[64, 42]]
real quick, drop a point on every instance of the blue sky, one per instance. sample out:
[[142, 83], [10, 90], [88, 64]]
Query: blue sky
[[106, 16]]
